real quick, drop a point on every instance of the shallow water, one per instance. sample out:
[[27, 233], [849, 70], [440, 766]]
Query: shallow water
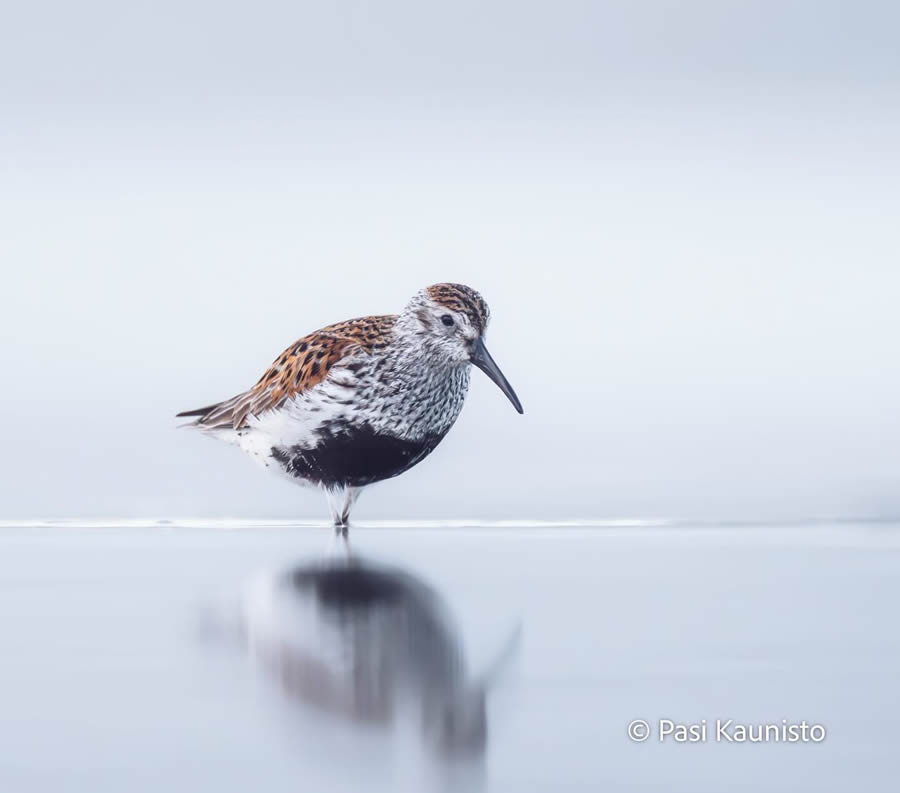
[[132, 659]]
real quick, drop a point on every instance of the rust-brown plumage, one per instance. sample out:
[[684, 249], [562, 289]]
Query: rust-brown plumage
[[303, 365]]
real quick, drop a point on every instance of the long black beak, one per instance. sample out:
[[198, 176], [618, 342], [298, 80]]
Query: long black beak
[[482, 359]]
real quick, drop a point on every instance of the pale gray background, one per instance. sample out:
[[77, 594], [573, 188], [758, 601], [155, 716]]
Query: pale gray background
[[684, 216]]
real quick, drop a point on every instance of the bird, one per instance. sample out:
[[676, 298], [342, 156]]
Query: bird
[[364, 400]]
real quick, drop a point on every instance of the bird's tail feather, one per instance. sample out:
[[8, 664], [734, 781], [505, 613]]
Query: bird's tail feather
[[219, 416], [198, 411]]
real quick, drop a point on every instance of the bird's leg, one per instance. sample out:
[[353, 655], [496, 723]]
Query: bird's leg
[[350, 496], [336, 518]]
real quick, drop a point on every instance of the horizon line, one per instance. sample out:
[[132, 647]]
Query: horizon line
[[234, 523]]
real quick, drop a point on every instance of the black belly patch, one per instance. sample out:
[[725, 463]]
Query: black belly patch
[[353, 456]]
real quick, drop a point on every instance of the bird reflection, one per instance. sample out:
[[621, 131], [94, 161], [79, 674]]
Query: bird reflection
[[371, 644]]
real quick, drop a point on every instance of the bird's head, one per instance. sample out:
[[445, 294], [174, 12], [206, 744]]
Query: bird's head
[[450, 321]]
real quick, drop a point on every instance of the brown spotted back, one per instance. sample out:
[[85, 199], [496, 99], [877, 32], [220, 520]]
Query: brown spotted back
[[300, 367]]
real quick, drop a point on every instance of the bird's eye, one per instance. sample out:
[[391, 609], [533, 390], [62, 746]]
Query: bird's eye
[[447, 320]]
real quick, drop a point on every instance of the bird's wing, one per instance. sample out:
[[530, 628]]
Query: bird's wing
[[302, 366]]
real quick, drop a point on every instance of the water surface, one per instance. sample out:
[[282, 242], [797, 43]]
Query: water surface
[[127, 661]]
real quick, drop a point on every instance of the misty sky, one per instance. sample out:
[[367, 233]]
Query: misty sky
[[683, 215]]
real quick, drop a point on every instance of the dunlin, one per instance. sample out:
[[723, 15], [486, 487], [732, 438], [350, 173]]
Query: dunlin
[[364, 400]]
